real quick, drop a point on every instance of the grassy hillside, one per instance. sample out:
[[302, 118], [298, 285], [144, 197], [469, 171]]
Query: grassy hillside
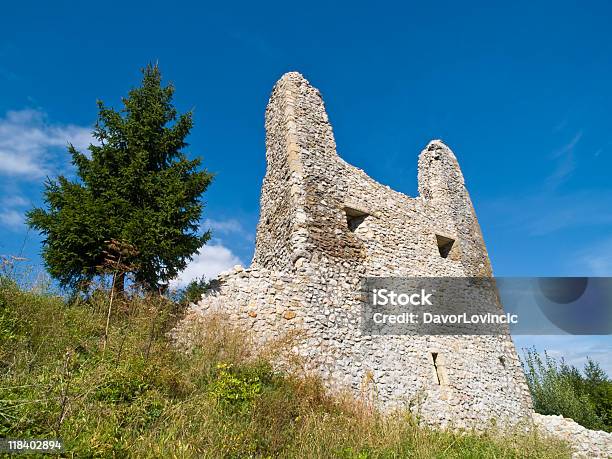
[[134, 394]]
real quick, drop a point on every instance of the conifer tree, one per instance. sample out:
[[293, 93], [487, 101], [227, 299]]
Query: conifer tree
[[135, 189]]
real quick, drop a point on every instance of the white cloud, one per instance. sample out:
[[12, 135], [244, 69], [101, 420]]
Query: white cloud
[[208, 262], [223, 226], [28, 143], [230, 226], [12, 219]]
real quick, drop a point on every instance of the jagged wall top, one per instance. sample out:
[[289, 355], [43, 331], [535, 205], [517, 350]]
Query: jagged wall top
[[308, 190]]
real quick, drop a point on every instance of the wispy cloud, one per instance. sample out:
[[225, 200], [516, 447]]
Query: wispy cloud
[[569, 146], [566, 162], [226, 227], [210, 260], [547, 212], [561, 124], [12, 212], [12, 219], [14, 201], [29, 143], [595, 260]]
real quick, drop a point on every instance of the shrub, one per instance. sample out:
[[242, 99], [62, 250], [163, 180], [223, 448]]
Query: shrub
[[238, 387], [559, 389]]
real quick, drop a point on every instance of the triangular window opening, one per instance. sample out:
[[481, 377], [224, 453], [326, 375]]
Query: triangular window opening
[[445, 244], [354, 218]]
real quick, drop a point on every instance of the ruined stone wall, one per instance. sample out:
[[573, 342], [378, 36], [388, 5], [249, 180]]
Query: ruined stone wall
[[585, 443], [324, 225]]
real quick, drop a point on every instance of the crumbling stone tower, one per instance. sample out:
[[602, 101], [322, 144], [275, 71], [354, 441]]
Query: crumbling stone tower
[[324, 225]]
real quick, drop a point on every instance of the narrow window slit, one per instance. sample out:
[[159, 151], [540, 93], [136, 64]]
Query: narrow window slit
[[434, 356]]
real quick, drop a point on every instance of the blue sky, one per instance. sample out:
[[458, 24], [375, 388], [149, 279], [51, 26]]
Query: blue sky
[[520, 91]]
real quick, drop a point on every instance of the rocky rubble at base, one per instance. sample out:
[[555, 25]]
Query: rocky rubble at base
[[585, 443]]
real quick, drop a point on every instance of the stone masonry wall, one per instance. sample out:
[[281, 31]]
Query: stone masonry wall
[[309, 262], [585, 443]]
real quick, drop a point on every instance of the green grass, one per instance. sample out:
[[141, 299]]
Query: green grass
[[142, 397]]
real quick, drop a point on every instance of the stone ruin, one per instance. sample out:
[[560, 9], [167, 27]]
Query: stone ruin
[[325, 225]]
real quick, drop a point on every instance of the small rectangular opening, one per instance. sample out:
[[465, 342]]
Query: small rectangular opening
[[445, 244], [354, 218]]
